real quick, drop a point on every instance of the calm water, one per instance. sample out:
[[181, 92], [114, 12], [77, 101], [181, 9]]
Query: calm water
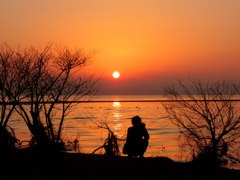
[[84, 118], [83, 121]]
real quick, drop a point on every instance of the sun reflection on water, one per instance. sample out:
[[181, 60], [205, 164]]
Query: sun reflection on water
[[116, 104], [117, 116]]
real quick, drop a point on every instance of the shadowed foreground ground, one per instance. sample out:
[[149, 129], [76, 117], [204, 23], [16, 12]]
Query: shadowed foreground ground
[[49, 165]]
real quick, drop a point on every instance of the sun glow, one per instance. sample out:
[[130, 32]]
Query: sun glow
[[116, 104], [116, 74]]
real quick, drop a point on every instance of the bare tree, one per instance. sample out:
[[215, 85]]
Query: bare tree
[[208, 118], [12, 87], [50, 80]]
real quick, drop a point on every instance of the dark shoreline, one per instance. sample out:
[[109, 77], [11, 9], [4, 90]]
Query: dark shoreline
[[53, 165], [121, 101]]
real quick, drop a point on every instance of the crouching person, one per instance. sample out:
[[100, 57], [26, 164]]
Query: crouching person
[[137, 139]]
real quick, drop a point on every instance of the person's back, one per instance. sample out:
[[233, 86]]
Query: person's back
[[135, 144]]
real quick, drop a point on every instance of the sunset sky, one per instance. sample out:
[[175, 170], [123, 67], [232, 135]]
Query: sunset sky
[[150, 42]]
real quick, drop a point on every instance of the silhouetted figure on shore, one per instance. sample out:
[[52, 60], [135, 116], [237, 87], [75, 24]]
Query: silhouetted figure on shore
[[137, 138]]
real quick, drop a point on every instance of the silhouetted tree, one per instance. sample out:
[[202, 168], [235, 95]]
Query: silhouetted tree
[[208, 118], [51, 78], [12, 87]]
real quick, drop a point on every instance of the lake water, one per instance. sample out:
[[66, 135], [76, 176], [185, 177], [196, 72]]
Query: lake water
[[116, 112]]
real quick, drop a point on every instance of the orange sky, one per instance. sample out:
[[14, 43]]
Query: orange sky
[[151, 43]]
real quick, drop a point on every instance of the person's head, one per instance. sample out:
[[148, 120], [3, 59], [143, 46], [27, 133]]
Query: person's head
[[136, 121]]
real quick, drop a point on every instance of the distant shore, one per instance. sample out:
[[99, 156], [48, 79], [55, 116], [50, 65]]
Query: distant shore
[[52, 165], [121, 101]]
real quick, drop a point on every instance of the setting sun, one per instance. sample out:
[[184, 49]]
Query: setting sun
[[116, 74]]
